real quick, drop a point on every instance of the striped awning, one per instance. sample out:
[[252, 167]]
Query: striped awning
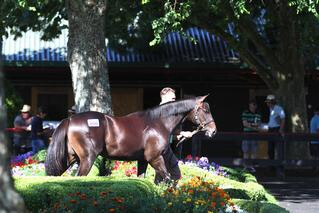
[[208, 49]]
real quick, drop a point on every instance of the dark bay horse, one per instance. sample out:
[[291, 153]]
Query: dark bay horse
[[141, 135]]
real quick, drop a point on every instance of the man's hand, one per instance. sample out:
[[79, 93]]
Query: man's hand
[[184, 134]]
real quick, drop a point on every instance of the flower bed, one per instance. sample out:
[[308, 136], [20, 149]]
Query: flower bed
[[204, 187]]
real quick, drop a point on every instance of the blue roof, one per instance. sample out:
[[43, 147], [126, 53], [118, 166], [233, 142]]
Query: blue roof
[[208, 49]]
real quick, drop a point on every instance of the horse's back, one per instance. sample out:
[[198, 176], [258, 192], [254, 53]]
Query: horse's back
[[124, 137]]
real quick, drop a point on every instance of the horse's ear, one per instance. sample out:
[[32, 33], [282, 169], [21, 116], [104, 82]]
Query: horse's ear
[[202, 98]]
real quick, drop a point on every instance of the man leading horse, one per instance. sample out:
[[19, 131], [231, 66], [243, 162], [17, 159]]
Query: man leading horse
[[167, 95]]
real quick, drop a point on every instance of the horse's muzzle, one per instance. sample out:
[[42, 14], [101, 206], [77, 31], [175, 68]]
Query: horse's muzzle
[[210, 132]]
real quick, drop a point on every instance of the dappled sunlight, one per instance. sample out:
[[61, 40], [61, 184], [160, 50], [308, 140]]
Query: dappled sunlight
[[297, 122], [281, 76]]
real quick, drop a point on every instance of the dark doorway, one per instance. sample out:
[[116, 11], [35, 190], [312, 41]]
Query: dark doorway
[[57, 105]]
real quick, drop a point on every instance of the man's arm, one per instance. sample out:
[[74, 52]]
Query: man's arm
[[19, 123], [282, 121]]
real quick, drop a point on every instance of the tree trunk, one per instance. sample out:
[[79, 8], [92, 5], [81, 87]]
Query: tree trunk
[[291, 93], [86, 55], [10, 200]]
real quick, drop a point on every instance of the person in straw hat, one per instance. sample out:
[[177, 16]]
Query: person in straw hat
[[21, 123]]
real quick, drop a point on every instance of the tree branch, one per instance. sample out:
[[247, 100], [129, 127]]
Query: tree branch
[[248, 56]]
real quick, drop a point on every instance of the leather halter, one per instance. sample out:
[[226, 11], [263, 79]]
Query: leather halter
[[197, 121], [201, 125]]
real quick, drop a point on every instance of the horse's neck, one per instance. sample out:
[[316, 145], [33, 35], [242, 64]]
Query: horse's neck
[[171, 122]]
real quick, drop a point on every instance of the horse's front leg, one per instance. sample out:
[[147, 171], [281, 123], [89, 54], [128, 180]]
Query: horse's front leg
[[158, 164]]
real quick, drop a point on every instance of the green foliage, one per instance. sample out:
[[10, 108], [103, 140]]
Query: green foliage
[[20, 16], [240, 175], [172, 20], [98, 194], [260, 207], [40, 156], [40, 193], [13, 102], [306, 5], [103, 165]]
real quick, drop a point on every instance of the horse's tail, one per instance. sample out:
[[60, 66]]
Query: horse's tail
[[56, 159]]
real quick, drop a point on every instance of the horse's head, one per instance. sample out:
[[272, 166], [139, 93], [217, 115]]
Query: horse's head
[[202, 116]]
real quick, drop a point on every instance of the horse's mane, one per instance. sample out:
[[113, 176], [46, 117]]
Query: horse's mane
[[170, 108]]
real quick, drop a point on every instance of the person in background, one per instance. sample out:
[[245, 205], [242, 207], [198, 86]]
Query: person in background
[[21, 123], [314, 129], [37, 132], [251, 122], [276, 123]]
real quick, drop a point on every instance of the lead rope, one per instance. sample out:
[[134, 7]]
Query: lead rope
[[199, 128], [193, 133]]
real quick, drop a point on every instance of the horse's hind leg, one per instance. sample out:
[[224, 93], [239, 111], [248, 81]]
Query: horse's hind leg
[[161, 172], [85, 164]]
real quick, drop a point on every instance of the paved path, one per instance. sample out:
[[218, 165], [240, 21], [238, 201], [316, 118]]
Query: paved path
[[296, 194]]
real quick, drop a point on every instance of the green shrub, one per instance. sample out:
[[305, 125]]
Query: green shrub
[[12, 101], [51, 194], [48, 192], [259, 207], [240, 175], [40, 156]]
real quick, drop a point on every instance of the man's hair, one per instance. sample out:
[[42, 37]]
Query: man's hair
[[166, 90]]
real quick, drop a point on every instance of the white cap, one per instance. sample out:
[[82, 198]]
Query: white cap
[[270, 98]]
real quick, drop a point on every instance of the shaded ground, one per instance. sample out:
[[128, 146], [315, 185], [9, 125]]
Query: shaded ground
[[298, 192]]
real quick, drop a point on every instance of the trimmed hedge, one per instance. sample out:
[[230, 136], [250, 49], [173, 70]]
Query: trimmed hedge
[[43, 192], [260, 207]]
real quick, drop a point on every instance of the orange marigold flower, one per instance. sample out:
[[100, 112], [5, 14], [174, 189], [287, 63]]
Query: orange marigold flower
[[56, 205], [214, 194], [190, 191], [118, 199], [213, 204], [103, 193], [222, 194], [73, 201], [222, 203], [170, 189], [83, 197]]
